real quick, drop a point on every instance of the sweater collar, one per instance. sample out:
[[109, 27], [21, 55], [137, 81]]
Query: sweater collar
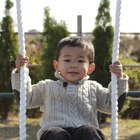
[[61, 78]]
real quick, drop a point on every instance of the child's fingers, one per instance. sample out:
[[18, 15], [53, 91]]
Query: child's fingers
[[117, 62], [117, 65], [21, 61], [27, 59], [116, 68]]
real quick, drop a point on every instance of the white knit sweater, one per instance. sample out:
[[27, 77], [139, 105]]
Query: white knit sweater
[[71, 105]]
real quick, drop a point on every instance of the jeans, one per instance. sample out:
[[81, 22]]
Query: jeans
[[81, 133]]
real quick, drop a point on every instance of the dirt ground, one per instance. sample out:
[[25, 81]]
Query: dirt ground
[[9, 130]]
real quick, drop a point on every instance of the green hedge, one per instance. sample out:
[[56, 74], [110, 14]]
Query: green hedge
[[6, 104], [131, 108]]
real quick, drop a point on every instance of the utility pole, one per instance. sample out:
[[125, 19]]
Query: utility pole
[[79, 25]]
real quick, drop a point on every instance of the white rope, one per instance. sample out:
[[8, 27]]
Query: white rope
[[115, 54], [22, 51]]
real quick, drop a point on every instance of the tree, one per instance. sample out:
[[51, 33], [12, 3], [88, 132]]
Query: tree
[[52, 34], [8, 48], [103, 42], [8, 51]]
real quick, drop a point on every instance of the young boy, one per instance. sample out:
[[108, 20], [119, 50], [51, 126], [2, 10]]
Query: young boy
[[70, 104]]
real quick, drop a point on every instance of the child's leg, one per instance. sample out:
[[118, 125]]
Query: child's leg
[[88, 133], [55, 133]]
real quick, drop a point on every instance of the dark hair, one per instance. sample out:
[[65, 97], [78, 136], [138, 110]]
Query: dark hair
[[76, 41]]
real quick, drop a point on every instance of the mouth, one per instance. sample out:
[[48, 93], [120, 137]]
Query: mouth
[[73, 73]]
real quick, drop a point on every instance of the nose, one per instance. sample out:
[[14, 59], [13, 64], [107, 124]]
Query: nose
[[73, 65]]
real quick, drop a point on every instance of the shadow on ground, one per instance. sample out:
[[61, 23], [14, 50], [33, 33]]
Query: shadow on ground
[[135, 137], [11, 132]]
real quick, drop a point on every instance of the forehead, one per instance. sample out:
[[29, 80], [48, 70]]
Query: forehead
[[67, 50]]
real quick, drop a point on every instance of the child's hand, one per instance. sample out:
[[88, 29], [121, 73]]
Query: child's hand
[[20, 61], [117, 69]]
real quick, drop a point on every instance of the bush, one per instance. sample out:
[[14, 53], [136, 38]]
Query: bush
[[131, 108], [134, 78], [33, 113], [6, 105], [132, 72]]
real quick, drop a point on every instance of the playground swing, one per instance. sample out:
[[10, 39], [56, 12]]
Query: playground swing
[[22, 51]]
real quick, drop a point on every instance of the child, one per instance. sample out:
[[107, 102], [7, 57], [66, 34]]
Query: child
[[70, 104]]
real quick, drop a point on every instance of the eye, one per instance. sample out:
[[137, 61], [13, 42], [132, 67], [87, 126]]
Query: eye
[[66, 60], [81, 61]]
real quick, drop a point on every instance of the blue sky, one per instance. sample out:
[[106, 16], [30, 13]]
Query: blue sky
[[67, 10]]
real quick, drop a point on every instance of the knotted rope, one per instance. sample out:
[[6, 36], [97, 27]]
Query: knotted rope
[[115, 54], [22, 51]]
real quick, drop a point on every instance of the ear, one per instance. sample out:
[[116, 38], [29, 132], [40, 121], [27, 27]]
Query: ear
[[91, 68], [55, 64]]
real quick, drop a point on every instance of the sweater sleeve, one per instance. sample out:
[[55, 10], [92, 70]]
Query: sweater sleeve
[[104, 94], [35, 93], [15, 79]]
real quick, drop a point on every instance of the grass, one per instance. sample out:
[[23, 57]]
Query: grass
[[9, 130], [128, 129]]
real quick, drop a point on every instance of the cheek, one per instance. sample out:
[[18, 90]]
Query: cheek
[[62, 66], [84, 69]]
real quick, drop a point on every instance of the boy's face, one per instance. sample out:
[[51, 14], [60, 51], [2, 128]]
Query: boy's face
[[73, 63]]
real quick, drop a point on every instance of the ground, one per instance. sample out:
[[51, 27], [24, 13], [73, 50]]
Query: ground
[[9, 130]]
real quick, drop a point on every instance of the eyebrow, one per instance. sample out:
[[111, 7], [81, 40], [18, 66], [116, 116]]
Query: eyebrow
[[67, 55], [81, 56]]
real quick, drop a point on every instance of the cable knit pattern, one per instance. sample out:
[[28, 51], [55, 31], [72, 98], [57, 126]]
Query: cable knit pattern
[[71, 106]]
